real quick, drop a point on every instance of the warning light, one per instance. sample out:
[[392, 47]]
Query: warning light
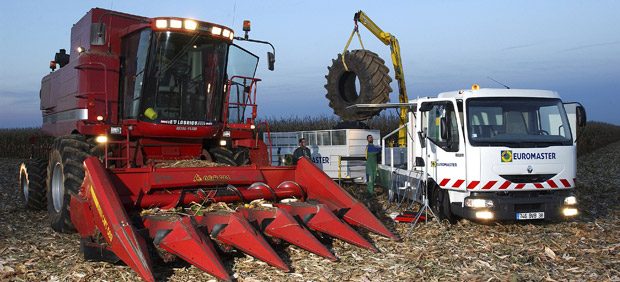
[[246, 25], [475, 87]]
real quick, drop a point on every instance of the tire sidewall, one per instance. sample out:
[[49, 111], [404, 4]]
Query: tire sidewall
[[57, 219], [23, 177]]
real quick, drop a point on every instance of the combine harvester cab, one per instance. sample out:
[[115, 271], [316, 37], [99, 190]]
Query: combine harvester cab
[[157, 150]]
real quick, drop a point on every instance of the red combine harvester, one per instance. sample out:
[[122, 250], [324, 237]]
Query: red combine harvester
[[154, 126]]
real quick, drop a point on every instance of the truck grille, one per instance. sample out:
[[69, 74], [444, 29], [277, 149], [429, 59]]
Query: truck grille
[[527, 178]]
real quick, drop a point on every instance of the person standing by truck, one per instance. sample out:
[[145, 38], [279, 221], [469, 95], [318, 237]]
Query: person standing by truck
[[301, 151], [372, 156]]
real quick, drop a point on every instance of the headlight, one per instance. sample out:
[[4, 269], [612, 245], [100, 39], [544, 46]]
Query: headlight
[[570, 211], [161, 23], [222, 142], [175, 24], [191, 25], [484, 215], [216, 30], [570, 200], [478, 203], [102, 139]]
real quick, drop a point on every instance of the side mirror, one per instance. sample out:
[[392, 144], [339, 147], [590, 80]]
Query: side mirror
[[581, 116], [271, 60], [422, 138], [443, 128], [419, 162]]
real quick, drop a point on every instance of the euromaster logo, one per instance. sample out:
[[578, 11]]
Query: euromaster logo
[[506, 156]]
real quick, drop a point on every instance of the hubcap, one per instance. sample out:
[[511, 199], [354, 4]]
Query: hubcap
[[58, 187]]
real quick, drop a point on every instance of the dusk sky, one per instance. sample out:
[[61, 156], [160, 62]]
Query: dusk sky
[[572, 47]]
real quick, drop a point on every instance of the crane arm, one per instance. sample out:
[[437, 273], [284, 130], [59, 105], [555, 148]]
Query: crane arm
[[389, 39]]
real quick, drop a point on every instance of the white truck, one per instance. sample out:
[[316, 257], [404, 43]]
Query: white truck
[[488, 154]]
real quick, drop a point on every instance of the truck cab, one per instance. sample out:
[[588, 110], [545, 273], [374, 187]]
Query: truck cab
[[496, 154]]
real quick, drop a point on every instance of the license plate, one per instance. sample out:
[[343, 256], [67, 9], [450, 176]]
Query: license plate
[[530, 215]]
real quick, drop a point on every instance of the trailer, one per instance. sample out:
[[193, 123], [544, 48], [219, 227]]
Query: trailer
[[340, 153], [488, 154]]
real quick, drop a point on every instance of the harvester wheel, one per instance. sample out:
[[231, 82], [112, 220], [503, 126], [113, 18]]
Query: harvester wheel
[[65, 174], [242, 156], [374, 84], [32, 176], [223, 155]]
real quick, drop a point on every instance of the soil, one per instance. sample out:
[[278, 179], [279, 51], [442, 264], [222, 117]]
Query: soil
[[587, 248]]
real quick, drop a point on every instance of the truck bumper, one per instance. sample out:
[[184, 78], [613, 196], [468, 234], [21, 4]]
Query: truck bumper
[[507, 206]]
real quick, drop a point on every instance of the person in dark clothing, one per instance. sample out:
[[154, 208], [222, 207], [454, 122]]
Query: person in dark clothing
[[301, 151], [372, 155]]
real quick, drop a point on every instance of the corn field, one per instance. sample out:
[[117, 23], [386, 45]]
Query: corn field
[[24, 142]]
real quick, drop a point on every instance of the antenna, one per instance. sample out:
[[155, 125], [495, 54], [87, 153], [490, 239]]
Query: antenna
[[234, 13], [506, 86]]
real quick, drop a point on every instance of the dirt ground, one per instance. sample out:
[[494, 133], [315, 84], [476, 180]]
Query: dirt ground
[[587, 248]]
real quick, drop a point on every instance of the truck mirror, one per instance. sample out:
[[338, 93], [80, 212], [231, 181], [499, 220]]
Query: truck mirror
[[443, 128], [419, 162], [422, 138], [271, 60], [581, 116]]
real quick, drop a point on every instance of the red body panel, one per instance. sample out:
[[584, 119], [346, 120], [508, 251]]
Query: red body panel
[[107, 201], [89, 80]]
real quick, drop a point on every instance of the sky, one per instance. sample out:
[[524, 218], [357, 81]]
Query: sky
[[572, 47]]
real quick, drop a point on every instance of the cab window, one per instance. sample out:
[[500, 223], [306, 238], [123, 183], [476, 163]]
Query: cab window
[[436, 113]]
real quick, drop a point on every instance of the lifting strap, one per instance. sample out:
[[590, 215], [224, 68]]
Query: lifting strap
[[355, 31]]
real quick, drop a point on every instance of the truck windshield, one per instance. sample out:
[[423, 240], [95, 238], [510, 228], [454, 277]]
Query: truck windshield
[[174, 78], [517, 122]]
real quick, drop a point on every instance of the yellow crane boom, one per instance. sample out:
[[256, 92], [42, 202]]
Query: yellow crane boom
[[389, 39]]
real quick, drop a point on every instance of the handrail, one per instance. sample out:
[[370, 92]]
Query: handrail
[[383, 145], [268, 137]]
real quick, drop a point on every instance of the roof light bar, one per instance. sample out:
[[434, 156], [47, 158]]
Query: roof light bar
[[193, 25]]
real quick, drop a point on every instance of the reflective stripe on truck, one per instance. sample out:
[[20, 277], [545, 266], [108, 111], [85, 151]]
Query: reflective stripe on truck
[[448, 183]]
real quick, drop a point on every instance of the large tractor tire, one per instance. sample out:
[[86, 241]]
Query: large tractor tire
[[32, 177], [65, 174], [223, 155], [236, 157], [374, 84]]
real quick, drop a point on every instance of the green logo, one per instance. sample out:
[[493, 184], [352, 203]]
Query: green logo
[[506, 156]]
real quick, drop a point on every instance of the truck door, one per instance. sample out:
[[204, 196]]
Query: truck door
[[445, 150]]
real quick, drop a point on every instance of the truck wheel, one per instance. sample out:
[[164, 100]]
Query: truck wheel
[[374, 84], [65, 174], [441, 205], [32, 177], [223, 155]]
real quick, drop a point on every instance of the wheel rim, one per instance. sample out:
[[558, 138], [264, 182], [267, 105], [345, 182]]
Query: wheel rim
[[25, 185], [58, 187]]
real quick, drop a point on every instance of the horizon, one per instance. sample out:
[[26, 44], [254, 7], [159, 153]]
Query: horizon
[[570, 48]]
